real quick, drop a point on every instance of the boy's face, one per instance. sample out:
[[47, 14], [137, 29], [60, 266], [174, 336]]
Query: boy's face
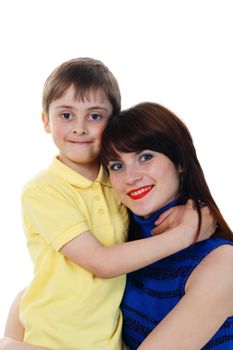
[[76, 127]]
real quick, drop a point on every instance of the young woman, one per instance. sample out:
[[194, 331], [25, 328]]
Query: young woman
[[185, 301]]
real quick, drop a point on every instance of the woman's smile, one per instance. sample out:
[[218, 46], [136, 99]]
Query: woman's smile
[[140, 192]]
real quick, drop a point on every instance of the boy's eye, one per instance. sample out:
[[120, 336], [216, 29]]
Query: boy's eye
[[66, 116], [146, 157], [95, 116], [115, 166]]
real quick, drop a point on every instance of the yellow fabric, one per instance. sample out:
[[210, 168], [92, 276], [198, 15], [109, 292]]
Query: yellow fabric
[[66, 307]]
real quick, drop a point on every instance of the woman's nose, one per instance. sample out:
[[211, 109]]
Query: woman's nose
[[132, 175]]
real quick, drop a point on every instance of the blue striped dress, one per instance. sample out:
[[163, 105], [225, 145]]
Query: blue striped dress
[[152, 292]]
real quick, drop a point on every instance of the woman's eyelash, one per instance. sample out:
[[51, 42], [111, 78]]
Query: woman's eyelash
[[146, 156], [115, 166]]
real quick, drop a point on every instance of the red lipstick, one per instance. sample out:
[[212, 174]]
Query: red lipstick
[[140, 192]]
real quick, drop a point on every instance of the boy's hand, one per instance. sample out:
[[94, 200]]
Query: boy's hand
[[186, 216], [169, 219]]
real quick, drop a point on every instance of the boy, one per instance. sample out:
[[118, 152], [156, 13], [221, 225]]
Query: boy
[[75, 225]]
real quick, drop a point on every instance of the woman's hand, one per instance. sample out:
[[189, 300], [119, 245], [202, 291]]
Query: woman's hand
[[7, 343], [186, 216]]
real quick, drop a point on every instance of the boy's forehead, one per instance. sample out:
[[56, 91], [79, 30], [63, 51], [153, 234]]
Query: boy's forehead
[[90, 94], [93, 95], [96, 96]]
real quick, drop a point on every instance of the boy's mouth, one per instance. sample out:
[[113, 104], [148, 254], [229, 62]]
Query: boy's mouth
[[140, 192], [79, 142]]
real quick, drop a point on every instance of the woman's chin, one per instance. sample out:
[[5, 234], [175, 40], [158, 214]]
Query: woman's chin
[[142, 212]]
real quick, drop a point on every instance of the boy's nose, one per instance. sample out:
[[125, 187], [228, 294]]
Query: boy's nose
[[80, 131], [79, 128]]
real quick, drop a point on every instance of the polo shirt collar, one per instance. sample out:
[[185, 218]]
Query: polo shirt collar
[[59, 169]]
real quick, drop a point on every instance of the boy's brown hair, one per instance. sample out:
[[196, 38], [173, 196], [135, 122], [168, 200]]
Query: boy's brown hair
[[85, 75]]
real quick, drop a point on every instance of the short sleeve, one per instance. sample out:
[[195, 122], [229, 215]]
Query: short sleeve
[[53, 215]]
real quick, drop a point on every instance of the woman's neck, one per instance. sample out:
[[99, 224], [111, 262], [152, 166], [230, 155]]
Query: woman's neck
[[153, 217]]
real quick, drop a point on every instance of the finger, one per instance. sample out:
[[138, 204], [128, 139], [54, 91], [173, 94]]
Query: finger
[[164, 226], [164, 216]]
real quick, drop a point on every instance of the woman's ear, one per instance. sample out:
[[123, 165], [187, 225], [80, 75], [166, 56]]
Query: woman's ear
[[180, 170], [181, 178], [45, 120]]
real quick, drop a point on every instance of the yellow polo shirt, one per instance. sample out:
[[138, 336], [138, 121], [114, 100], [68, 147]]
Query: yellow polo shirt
[[65, 307]]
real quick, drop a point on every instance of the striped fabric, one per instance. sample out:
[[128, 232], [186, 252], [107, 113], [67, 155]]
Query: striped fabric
[[152, 292]]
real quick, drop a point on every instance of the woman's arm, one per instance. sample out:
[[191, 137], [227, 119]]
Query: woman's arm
[[14, 330], [112, 261], [204, 308]]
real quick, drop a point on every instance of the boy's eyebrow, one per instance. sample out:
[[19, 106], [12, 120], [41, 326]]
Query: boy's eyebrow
[[98, 107], [63, 106], [89, 108]]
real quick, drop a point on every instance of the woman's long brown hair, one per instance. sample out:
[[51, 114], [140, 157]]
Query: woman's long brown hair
[[153, 127]]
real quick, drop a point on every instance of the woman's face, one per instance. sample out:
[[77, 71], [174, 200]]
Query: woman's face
[[144, 181]]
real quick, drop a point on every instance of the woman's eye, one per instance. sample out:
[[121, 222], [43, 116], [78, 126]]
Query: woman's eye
[[146, 157], [115, 166], [66, 116], [95, 116]]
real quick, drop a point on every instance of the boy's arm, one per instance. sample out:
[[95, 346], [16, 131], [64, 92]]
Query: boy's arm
[[108, 262], [173, 216]]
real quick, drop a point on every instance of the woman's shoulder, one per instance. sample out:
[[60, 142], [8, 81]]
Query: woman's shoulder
[[221, 256], [215, 270], [218, 258], [208, 246]]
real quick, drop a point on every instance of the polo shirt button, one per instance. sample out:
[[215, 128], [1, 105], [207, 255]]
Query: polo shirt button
[[101, 211], [97, 198]]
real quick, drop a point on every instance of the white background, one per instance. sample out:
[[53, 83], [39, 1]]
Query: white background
[[178, 53]]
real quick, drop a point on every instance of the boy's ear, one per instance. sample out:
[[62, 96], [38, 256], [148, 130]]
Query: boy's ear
[[45, 121]]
